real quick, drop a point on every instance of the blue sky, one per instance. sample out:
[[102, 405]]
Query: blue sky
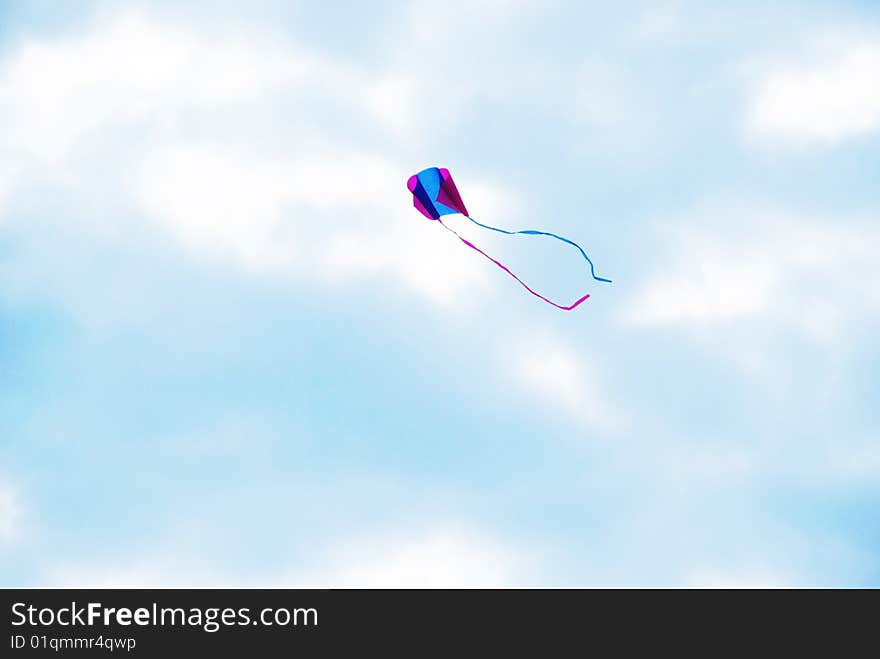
[[232, 353]]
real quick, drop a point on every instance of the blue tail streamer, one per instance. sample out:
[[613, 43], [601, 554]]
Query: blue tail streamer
[[531, 232]]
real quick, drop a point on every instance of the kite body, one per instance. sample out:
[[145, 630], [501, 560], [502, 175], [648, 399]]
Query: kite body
[[435, 195]]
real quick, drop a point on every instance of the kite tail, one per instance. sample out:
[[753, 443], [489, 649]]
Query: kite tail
[[507, 270], [531, 232]]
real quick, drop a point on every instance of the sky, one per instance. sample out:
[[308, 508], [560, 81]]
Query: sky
[[233, 354]]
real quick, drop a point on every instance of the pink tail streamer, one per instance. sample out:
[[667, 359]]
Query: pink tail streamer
[[507, 270]]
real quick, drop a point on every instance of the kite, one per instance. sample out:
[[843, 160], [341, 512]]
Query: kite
[[435, 195]]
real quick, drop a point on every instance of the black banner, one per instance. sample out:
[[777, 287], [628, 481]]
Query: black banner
[[148, 623]]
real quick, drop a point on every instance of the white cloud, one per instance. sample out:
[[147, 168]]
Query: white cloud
[[773, 270], [6, 185], [858, 461], [66, 97], [133, 69], [759, 578], [682, 466], [107, 576], [183, 124], [832, 98], [250, 207], [424, 257], [322, 215], [444, 83], [177, 558], [445, 557], [780, 556], [218, 203], [429, 260], [554, 372], [10, 514], [622, 112]]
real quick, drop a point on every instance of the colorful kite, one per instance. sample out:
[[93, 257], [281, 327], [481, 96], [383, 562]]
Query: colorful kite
[[434, 195]]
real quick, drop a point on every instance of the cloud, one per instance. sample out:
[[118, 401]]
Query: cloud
[[621, 114], [858, 462], [10, 514], [134, 69], [428, 260], [6, 185], [547, 368], [740, 578], [141, 575], [247, 207], [442, 557], [130, 70], [775, 269], [182, 126], [321, 215], [418, 253], [830, 99]]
